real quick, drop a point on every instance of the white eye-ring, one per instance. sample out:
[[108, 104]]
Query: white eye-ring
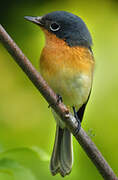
[[54, 27]]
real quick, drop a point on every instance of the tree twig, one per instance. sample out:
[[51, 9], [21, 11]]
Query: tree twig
[[83, 139]]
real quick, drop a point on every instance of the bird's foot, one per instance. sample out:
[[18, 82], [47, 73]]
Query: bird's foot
[[59, 100], [78, 120]]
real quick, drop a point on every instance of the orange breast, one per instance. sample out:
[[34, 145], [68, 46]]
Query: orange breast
[[58, 56], [68, 70]]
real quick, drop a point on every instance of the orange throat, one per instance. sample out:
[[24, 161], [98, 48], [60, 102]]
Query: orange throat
[[57, 56]]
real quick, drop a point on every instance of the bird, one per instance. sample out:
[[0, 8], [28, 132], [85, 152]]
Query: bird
[[67, 65]]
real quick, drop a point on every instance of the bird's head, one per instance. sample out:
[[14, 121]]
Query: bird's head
[[65, 26]]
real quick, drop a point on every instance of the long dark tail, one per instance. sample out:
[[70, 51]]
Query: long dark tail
[[61, 160]]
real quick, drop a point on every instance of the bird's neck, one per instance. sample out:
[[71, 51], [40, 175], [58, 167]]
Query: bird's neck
[[52, 41], [57, 45]]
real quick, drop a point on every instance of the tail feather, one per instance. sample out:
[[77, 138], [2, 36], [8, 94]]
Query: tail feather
[[66, 155], [61, 160], [54, 162]]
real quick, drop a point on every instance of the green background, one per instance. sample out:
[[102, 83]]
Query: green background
[[25, 119]]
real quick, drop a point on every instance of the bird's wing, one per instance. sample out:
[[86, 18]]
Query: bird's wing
[[80, 112]]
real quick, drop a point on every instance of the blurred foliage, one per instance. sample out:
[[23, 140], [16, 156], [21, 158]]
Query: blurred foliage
[[12, 164], [25, 119]]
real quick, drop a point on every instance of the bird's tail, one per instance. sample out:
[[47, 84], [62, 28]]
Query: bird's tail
[[61, 160]]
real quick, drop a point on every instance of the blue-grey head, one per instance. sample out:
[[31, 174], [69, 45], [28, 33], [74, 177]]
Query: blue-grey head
[[66, 26]]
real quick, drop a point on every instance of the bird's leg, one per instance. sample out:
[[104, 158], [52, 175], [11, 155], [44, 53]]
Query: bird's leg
[[59, 99], [78, 120]]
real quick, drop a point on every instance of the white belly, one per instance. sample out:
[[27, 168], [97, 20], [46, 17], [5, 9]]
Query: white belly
[[74, 90]]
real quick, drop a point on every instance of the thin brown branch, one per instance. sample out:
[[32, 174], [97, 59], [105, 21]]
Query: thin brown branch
[[83, 139]]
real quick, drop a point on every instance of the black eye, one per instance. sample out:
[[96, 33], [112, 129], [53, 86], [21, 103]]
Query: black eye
[[54, 27]]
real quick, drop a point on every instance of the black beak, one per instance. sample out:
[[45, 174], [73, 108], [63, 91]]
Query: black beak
[[37, 20]]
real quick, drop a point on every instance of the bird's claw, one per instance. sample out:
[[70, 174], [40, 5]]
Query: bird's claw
[[59, 100], [77, 129]]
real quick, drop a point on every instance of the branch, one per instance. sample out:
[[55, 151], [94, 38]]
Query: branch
[[83, 139]]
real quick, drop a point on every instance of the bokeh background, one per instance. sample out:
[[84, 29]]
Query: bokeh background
[[25, 119]]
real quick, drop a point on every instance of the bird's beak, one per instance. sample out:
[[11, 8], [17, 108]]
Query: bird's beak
[[37, 20]]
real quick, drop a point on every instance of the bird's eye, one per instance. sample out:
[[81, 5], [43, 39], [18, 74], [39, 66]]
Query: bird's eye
[[54, 27]]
